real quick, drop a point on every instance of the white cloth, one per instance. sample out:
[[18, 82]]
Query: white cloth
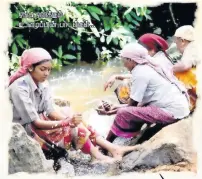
[[185, 32], [190, 56], [150, 88]]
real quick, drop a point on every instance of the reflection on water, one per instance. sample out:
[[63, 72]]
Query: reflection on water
[[82, 84]]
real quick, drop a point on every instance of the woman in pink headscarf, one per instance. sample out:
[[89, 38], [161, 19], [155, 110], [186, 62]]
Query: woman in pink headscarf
[[156, 47], [163, 99], [33, 109]]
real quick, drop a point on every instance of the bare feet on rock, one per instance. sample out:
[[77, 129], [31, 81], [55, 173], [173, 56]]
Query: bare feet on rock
[[119, 152], [105, 160]]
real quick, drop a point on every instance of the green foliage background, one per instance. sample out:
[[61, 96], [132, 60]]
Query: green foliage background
[[113, 26]]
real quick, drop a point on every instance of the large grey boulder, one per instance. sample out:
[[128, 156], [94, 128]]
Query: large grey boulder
[[171, 145], [25, 154]]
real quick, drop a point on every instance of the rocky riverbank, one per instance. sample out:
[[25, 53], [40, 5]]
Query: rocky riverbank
[[170, 149]]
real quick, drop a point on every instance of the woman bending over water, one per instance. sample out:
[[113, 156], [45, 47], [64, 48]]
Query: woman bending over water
[[162, 97]]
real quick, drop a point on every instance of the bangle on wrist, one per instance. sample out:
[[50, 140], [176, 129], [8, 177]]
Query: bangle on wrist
[[64, 123]]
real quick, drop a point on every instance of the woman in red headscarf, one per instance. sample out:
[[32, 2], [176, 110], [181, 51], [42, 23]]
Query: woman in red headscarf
[[33, 109], [156, 47]]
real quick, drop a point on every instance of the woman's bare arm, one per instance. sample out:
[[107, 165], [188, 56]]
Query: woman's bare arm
[[181, 67], [113, 78], [47, 125], [56, 116], [123, 76], [57, 123]]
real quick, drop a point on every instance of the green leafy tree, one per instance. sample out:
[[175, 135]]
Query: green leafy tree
[[106, 27]]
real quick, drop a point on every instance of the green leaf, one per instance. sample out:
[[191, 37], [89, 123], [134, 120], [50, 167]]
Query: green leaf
[[133, 14], [128, 11], [59, 61], [138, 11], [67, 63], [62, 18], [136, 23], [56, 62], [14, 49], [69, 57], [109, 38], [14, 59], [131, 26], [76, 39], [95, 15], [106, 22], [69, 47], [105, 6], [115, 10], [112, 21], [95, 10], [115, 41], [19, 43], [95, 31], [23, 41], [139, 18], [148, 17], [148, 11], [129, 18], [78, 47], [123, 30], [60, 51], [52, 30], [78, 56], [67, 17], [143, 11], [15, 15], [19, 36], [46, 29], [55, 52], [15, 23], [73, 47], [21, 7]]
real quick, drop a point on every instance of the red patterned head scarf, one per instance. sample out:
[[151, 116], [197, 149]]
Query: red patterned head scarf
[[153, 42], [29, 57]]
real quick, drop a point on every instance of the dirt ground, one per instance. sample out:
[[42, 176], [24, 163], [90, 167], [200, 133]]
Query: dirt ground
[[179, 167]]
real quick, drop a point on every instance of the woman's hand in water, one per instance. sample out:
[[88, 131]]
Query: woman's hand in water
[[110, 82], [104, 112], [106, 108]]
